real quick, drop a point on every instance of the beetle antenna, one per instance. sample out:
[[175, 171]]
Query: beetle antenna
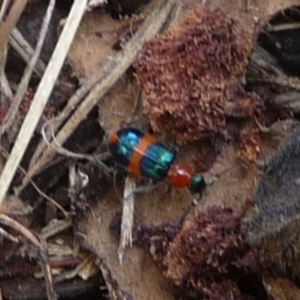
[[217, 176]]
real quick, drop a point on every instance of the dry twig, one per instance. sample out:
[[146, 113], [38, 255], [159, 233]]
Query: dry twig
[[281, 27], [22, 47], [10, 22], [4, 7], [63, 151], [42, 94], [6, 92], [41, 246], [23, 86], [47, 271], [7, 235], [127, 216], [51, 200], [107, 77], [7, 221]]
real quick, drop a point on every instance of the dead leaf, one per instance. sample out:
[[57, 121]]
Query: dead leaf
[[280, 288]]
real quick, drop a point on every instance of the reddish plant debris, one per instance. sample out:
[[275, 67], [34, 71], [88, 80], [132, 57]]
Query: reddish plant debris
[[222, 289], [248, 144], [276, 112], [200, 256], [3, 112], [242, 104], [158, 239], [188, 73], [48, 112]]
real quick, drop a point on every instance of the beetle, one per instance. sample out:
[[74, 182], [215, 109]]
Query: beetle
[[141, 154]]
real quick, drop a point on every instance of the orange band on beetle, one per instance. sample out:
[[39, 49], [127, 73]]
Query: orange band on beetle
[[139, 152]]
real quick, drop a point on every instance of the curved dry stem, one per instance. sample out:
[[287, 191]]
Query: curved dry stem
[[23, 86], [10, 22], [107, 77], [42, 94], [7, 221]]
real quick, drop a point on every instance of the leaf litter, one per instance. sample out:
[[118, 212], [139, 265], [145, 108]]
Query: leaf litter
[[165, 229]]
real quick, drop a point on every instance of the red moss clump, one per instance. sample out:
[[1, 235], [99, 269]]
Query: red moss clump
[[49, 112], [208, 245], [248, 145], [3, 112], [243, 105], [158, 238], [222, 289], [187, 74]]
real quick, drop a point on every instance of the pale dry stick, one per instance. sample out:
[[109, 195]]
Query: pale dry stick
[[51, 200], [50, 230], [5, 154], [46, 269], [97, 159], [96, 3], [56, 123], [10, 22], [63, 151], [5, 88], [6, 92], [23, 86], [287, 98], [42, 94], [110, 74], [58, 249], [284, 81], [78, 96], [40, 192], [10, 237], [127, 216], [7, 221], [73, 273], [4, 7], [280, 27], [22, 47], [262, 128]]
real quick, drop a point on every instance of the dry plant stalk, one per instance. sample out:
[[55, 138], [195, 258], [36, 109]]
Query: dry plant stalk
[[42, 95], [107, 77], [23, 86], [8, 236], [4, 8], [47, 271], [7, 221], [6, 92], [23, 48], [10, 22], [127, 216]]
